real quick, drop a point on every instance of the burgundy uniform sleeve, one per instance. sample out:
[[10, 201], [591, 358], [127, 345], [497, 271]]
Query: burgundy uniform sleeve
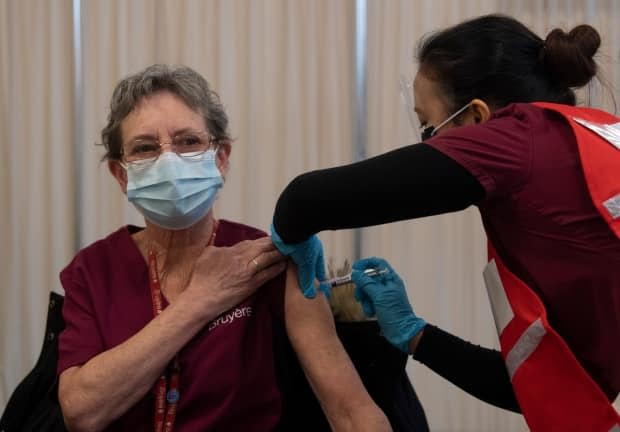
[[80, 341], [273, 291], [276, 296], [498, 153]]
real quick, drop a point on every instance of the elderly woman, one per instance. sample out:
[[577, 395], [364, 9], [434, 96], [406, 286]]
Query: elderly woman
[[171, 325]]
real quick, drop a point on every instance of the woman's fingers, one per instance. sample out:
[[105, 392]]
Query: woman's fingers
[[241, 262], [256, 246], [268, 273], [257, 254], [267, 259]]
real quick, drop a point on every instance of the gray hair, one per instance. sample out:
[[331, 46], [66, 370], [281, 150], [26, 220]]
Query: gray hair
[[182, 81]]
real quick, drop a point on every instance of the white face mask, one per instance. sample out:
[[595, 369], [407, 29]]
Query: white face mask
[[175, 192]]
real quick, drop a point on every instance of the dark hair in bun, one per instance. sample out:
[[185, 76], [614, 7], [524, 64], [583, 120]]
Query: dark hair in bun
[[569, 57], [499, 60]]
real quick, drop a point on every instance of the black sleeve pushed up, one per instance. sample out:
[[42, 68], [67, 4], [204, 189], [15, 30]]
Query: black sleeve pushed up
[[410, 182], [479, 371]]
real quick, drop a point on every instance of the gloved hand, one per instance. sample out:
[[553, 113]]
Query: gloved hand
[[385, 295], [308, 255]]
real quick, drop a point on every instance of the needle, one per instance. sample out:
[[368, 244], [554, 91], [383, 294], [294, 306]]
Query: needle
[[342, 280]]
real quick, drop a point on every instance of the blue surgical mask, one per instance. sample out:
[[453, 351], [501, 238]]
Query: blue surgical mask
[[174, 192]]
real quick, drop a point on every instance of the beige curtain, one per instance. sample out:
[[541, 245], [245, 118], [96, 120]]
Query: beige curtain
[[284, 70], [441, 258], [37, 222]]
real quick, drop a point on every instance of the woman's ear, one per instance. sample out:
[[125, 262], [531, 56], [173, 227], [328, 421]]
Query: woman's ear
[[479, 110], [222, 157], [119, 173]]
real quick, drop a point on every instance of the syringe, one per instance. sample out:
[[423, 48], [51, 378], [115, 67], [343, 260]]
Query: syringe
[[343, 280]]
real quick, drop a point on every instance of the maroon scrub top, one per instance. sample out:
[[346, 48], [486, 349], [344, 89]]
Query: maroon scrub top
[[227, 380], [539, 215]]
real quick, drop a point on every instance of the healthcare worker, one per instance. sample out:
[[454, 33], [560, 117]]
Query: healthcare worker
[[500, 131]]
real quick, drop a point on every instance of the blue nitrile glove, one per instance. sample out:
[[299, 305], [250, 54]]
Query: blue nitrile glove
[[385, 295], [308, 255]]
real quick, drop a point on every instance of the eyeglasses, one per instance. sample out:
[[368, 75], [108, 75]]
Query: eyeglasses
[[427, 132], [191, 145]]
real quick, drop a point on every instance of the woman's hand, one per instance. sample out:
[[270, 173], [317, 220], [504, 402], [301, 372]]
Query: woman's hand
[[385, 296], [308, 255], [225, 276]]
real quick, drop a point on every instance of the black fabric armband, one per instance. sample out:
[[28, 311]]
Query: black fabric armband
[[479, 371], [409, 182]]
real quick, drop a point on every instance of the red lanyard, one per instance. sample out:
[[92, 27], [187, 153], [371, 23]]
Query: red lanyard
[[166, 402]]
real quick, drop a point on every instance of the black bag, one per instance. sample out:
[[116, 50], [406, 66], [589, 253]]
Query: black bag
[[34, 406]]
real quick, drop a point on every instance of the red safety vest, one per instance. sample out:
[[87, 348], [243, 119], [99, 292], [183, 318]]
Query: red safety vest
[[554, 392]]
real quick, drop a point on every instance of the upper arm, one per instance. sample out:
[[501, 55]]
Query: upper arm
[[330, 372], [80, 340], [311, 330], [409, 182]]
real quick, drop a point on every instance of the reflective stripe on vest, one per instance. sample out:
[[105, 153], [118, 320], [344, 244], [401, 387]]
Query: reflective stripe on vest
[[554, 392]]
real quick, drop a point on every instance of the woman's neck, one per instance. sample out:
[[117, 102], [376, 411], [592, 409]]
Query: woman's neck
[[175, 251], [177, 242]]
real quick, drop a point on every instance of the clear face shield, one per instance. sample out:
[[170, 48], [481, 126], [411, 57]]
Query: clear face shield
[[424, 132], [406, 96]]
